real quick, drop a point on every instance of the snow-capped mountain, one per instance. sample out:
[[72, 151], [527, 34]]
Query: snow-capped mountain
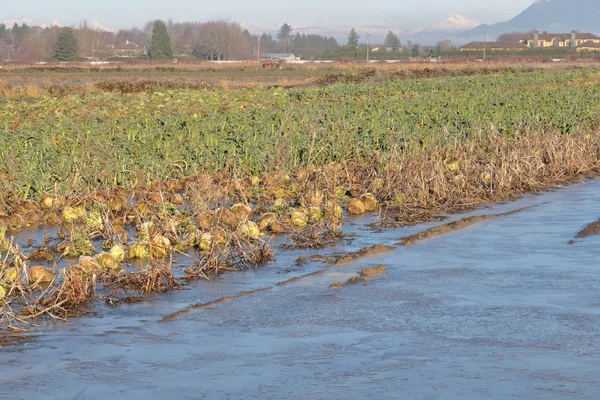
[[443, 30], [97, 26], [52, 24], [448, 29], [377, 34], [27, 21], [455, 23], [10, 22], [547, 15]]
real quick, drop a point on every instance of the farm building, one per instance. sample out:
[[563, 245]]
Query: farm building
[[128, 49], [278, 57], [386, 49], [495, 46]]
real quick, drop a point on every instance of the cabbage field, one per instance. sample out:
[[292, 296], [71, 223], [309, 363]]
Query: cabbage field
[[122, 183]]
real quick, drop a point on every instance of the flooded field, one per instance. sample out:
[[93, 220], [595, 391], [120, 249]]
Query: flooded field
[[507, 307]]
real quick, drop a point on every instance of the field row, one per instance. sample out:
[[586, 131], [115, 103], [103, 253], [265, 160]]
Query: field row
[[109, 140]]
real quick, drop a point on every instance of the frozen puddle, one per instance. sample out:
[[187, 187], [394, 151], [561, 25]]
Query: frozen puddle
[[504, 309]]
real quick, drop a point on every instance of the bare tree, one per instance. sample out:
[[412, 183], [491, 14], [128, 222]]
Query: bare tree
[[30, 49], [92, 41], [5, 51], [221, 40], [184, 35], [37, 46], [445, 45], [138, 36]]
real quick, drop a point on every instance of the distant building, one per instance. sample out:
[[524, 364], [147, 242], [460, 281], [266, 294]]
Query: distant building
[[590, 45], [278, 57], [557, 40], [387, 49], [495, 46], [128, 49], [536, 40]]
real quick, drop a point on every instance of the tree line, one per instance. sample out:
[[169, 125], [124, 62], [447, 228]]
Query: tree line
[[212, 40]]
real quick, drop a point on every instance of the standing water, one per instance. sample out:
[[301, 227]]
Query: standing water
[[506, 308]]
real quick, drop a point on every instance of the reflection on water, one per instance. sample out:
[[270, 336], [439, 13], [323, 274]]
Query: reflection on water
[[505, 308]]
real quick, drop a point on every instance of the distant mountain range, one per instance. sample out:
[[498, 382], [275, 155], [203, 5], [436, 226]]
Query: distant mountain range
[[10, 22], [449, 29], [453, 24], [91, 24], [555, 16]]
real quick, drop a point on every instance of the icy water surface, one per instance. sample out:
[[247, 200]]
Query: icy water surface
[[505, 309]]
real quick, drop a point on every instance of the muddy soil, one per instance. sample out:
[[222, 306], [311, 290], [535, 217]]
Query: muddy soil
[[452, 227], [374, 271], [366, 273], [592, 229], [370, 251]]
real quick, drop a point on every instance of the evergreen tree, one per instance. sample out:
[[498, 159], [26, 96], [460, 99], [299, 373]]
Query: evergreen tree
[[267, 44], [25, 30], [160, 47], [284, 32], [2, 31], [285, 35], [392, 41], [309, 45], [353, 38], [416, 51], [18, 33], [66, 45]]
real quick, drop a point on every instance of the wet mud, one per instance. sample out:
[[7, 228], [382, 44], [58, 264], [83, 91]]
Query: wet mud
[[592, 229], [355, 280], [374, 271], [210, 304], [365, 274], [453, 227], [352, 257], [300, 261], [9, 338], [299, 278], [370, 251], [223, 300]]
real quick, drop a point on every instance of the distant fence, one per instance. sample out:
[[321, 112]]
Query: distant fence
[[171, 65]]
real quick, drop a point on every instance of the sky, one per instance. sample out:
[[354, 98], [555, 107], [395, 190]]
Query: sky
[[403, 14]]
